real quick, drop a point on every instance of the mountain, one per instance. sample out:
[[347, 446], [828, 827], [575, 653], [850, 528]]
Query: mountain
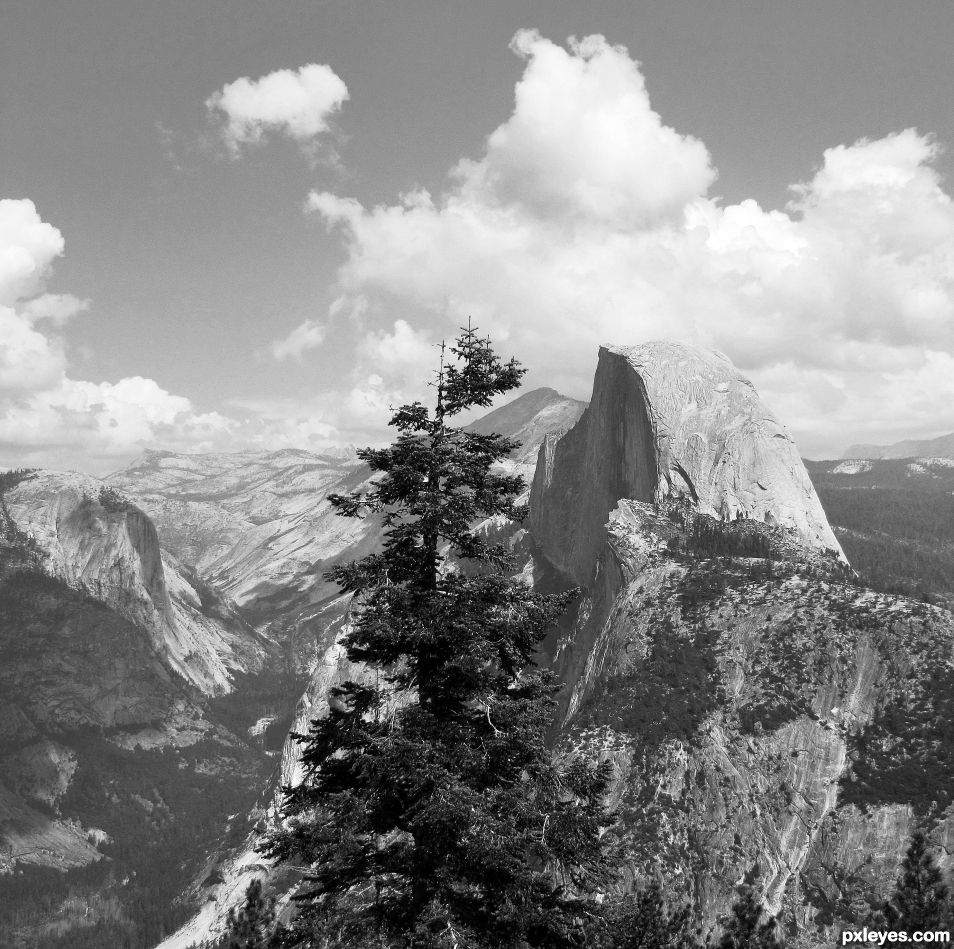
[[99, 543], [763, 711], [940, 447], [895, 520], [528, 418], [667, 420], [162, 631], [117, 760], [753, 697]]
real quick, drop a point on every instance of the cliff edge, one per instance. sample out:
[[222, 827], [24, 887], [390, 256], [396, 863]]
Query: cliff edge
[[667, 419]]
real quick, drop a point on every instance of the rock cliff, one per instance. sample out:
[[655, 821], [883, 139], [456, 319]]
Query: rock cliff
[[97, 542], [109, 654], [251, 523], [667, 419], [753, 697]]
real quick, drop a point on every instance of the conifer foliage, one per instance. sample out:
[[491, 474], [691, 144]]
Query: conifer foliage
[[251, 927], [920, 899], [650, 921], [432, 814], [747, 927]]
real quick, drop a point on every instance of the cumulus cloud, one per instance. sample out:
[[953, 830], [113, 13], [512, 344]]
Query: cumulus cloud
[[56, 307], [296, 103], [49, 419], [585, 143], [586, 219], [45, 416], [28, 246]]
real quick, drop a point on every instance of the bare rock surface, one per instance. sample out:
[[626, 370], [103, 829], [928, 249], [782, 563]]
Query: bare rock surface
[[669, 419], [98, 542], [763, 711], [250, 523]]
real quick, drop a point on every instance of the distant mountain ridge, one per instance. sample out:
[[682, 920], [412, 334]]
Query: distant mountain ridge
[[940, 447], [529, 418], [157, 629], [746, 690]]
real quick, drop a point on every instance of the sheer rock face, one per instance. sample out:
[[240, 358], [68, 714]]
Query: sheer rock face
[[752, 700], [100, 544], [669, 419]]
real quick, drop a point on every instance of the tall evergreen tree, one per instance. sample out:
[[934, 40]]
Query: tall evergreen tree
[[251, 926], [431, 813], [920, 898], [748, 927]]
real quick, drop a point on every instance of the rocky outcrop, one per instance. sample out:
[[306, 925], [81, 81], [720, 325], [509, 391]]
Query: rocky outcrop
[[753, 698], [97, 542], [253, 524], [665, 420]]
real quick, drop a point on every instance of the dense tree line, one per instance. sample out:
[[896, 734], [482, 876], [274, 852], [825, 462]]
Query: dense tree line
[[895, 523], [156, 806], [649, 918]]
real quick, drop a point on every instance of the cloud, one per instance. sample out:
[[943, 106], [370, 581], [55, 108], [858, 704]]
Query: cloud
[[296, 103], [28, 246], [584, 142], [56, 307], [305, 336], [29, 360], [97, 425], [586, 219], [49, 419], [45, 416]]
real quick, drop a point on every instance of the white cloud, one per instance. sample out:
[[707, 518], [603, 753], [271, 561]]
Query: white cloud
[[47, 418], [56, 307], [398, 350], [588, 220], [305, 336], [584, 143], [29, 360], [28, 246], [297, 103]]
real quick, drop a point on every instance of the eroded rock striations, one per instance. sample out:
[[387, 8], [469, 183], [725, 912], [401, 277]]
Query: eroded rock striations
[[97, 542], [665, 420], [763, 711], [110, 652]]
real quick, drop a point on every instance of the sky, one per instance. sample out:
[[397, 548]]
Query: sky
[[229, 224]]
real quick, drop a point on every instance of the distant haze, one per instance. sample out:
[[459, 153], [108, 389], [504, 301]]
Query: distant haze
[[942, 447]]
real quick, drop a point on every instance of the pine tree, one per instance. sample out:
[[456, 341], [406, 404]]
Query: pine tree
[[747, 928], [920, 898], [432, 814], [650, 922], [250, 927]]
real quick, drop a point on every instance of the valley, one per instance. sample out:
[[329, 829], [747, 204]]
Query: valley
[[164, 629]]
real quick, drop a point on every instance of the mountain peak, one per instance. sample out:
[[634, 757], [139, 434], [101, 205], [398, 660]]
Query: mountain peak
[[670, 419]]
